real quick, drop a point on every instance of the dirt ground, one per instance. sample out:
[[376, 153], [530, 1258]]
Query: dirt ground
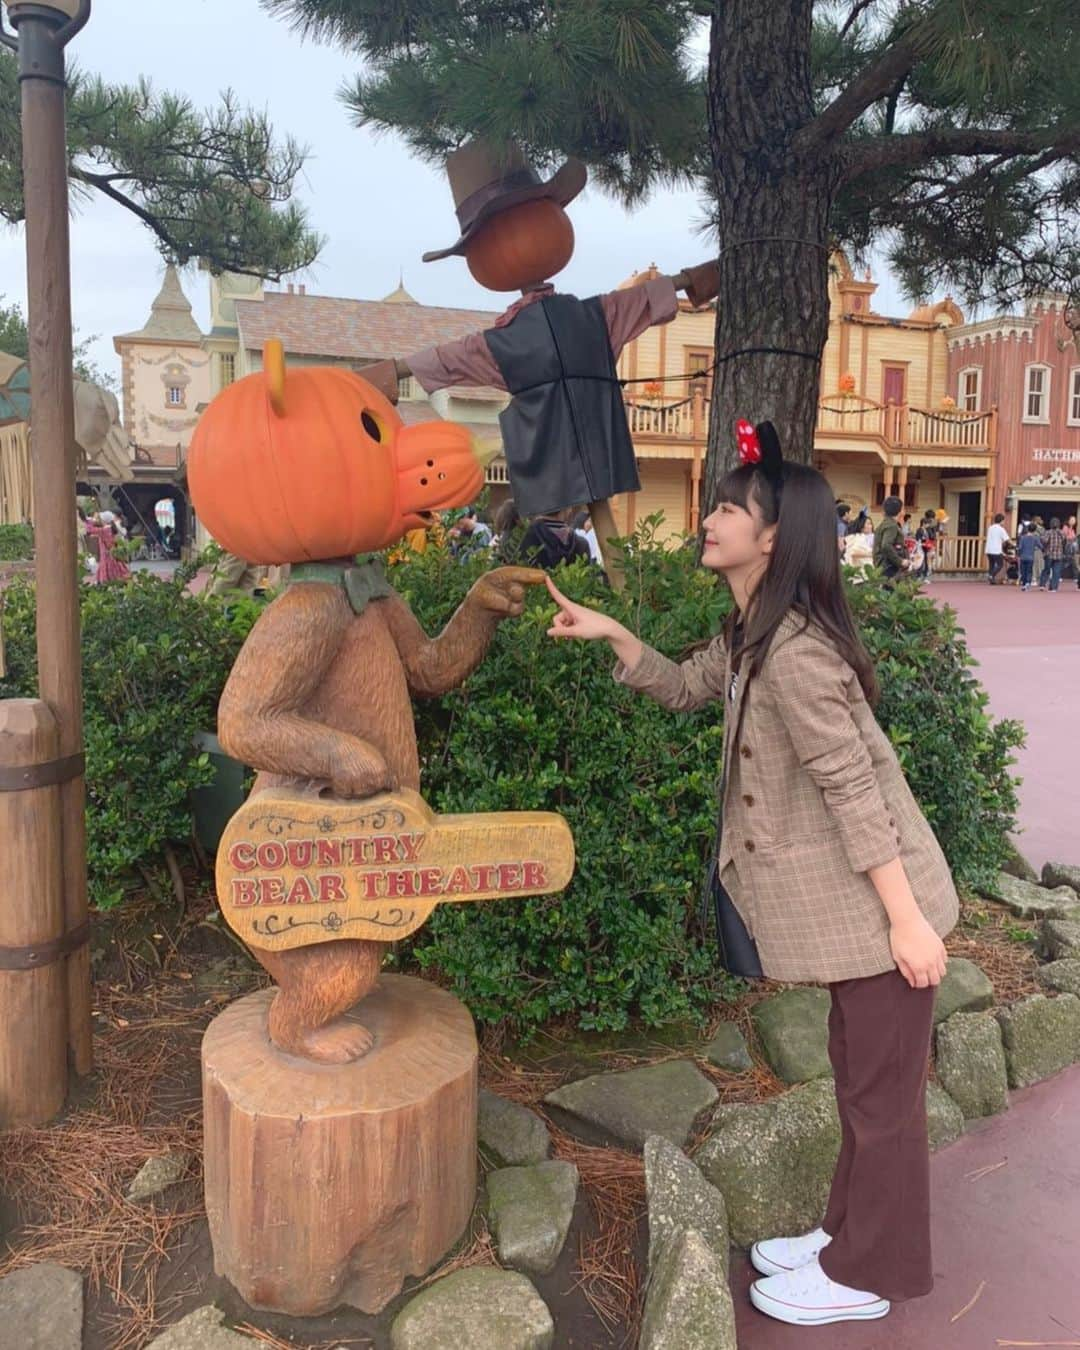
[[159, 984]]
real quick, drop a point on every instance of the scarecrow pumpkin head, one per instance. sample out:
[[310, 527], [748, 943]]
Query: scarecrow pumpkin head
[[515, 232], [521, 246], [318, 464]]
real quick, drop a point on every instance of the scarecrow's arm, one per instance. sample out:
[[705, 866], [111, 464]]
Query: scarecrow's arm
[[469, 361]]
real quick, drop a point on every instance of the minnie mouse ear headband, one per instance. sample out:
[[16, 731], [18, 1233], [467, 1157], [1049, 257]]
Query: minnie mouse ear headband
[[760, 446]]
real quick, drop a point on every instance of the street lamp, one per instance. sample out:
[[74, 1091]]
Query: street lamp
[[42, 31], [45, 27]]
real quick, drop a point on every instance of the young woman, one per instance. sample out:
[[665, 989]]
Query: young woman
[[102, 532], [828, 860], [859, 548]]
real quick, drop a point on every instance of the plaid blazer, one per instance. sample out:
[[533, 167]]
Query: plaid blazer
[[814, 797]]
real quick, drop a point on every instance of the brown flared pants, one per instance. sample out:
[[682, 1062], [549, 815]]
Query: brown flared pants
[[879, 1207]]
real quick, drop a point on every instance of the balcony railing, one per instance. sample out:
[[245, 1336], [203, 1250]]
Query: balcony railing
[[901, 426], [673, 419], [895, 426]]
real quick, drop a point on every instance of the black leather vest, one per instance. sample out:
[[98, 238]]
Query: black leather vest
[[565, 434]]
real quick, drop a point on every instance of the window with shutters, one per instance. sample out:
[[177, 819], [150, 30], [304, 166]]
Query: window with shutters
[[1036, 394], [969, 393]]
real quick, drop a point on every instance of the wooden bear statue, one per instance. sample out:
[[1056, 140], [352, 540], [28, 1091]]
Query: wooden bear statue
[[312, 469]]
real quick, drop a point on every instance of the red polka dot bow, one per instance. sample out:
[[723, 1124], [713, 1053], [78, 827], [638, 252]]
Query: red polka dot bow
[[749, 445]]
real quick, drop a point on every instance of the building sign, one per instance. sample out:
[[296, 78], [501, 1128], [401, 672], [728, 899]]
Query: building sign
[[295, 869], [1057, 456]]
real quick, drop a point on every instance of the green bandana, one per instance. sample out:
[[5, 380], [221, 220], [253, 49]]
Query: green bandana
[[362, 582]]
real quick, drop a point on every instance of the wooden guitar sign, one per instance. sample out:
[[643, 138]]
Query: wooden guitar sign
[[294, 870]]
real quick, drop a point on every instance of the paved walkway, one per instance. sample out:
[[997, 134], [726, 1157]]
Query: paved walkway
[[1028, 648], [1013, 1232]]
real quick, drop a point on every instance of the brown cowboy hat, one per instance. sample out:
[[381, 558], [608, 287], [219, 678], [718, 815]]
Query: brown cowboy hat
[[486, 180]]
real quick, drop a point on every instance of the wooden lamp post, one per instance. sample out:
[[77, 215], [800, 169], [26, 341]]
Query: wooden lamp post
[[44, 954]]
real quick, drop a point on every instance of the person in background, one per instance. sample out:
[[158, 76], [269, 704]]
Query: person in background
[[234, 576], [551, 540], [1011, 558], [1026, 545], [859, 548], [587, 531], [508, 530], [468, 535], [926, 534], [915, 554], [102, 531], [1053, 551], [118, 523], [843, 511], [1072, 546], [996, 537], [889, 551]]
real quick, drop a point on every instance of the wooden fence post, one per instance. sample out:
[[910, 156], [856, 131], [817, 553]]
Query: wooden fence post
[[33, 974]]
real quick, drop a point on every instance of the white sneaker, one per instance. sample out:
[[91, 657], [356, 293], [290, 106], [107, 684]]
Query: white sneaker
[[779, 1256], [808, 1298]]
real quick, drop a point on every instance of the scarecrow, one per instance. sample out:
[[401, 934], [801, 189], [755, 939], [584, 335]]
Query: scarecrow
[[565, 432]]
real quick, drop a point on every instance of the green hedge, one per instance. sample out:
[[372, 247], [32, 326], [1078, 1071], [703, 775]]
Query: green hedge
[[154, 663], [16, 542], [541, 725]]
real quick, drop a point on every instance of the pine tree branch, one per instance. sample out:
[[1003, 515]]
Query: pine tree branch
[[885, 152], [104, 184], [959, 187], [851, 19], [875, 83]]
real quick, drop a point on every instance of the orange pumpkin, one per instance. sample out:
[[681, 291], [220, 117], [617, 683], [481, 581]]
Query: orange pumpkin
[[319, 465], [525, 244]]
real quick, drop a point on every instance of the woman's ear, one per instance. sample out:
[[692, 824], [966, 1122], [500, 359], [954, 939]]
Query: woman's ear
[[768, 537]]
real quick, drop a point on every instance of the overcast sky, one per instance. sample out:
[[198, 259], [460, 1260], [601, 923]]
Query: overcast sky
[[379, 208]]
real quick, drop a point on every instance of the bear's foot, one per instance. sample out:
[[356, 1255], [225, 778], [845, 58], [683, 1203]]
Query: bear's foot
[[339, 1042]]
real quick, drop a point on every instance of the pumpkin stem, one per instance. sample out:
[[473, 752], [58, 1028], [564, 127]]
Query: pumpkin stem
[[274, 370]]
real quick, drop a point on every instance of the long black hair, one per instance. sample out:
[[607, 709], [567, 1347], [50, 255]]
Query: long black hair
[[803, 569]]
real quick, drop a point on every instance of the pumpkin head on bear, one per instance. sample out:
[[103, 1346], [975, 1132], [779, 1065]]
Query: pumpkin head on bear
[[317, 464]]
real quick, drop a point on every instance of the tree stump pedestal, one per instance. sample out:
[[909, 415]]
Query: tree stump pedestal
[[330, 1184]]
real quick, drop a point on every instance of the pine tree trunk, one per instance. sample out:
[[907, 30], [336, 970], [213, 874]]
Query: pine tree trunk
[[773, 218]]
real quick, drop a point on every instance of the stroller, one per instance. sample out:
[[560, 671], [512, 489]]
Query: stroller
[[1012, 563]]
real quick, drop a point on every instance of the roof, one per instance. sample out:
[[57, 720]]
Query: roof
[[944, 312], [322, 325], [400, 296], [639, 278], [171, 319]]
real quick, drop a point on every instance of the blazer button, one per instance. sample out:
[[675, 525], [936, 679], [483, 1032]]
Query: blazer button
[[748, 799], [745, 752], [749, 846]]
